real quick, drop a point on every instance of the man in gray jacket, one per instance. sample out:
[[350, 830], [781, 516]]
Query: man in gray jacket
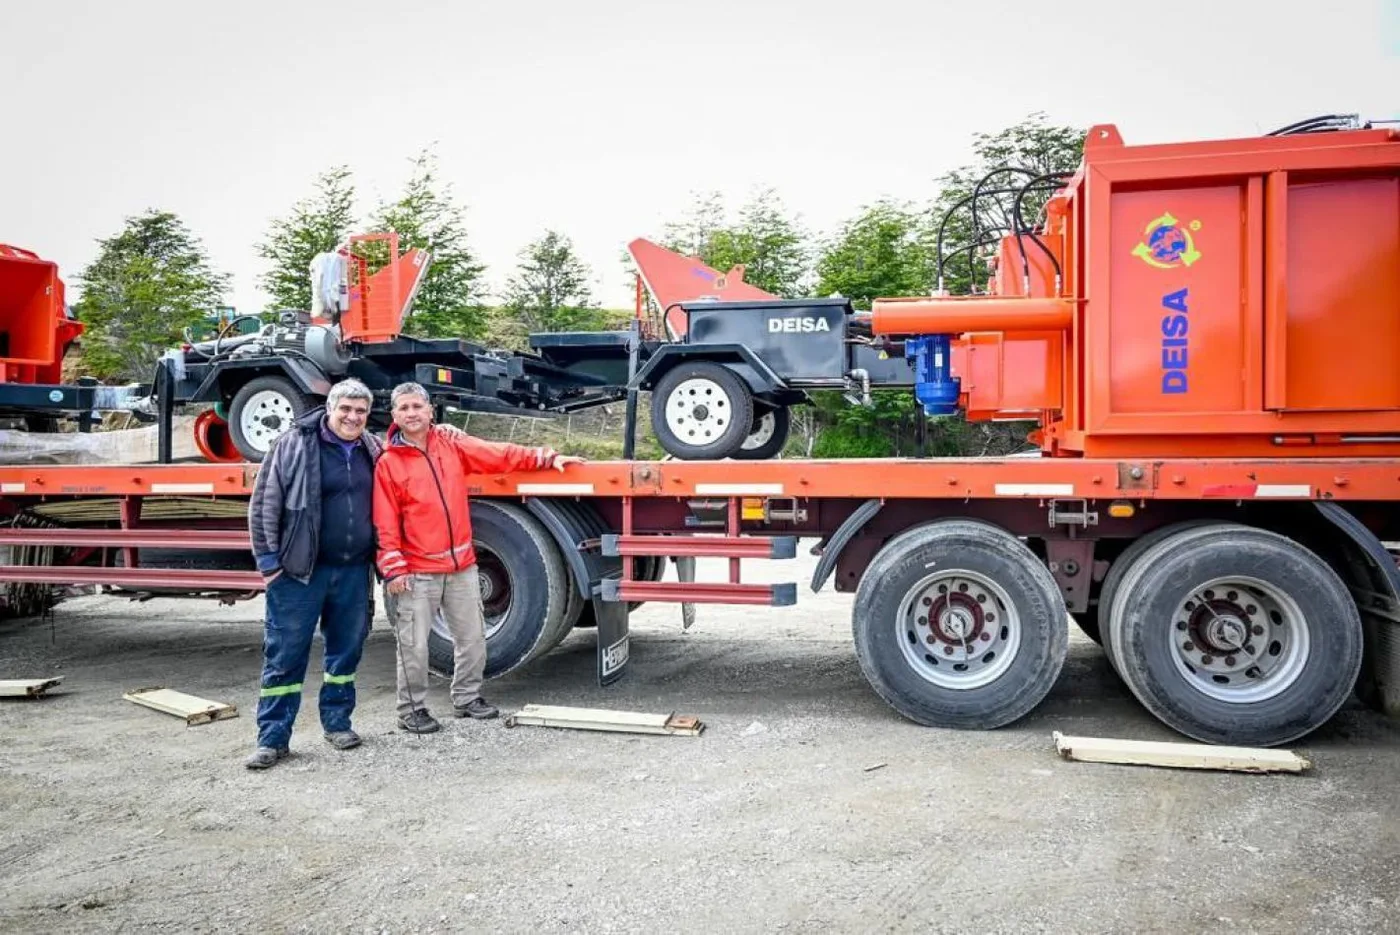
[[310, 520]]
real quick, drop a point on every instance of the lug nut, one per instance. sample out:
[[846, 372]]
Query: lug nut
[[1250, 610], [1207, 660], [1189, 646], [1181, 625], [1229, 660], [947, 650], [985, 637], [1257, 630]]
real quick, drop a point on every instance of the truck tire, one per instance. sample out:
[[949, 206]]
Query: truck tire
[[958, 624], [524, 590], [261, 411], [1119, 567], [1230, 634], [701, 411], [768, 434]]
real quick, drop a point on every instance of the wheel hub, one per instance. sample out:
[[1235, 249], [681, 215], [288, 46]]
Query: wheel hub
[[958, 629], [265, 417], [698, 411], [1239, 640]]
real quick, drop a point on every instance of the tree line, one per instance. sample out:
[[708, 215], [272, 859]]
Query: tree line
[[153, 282]]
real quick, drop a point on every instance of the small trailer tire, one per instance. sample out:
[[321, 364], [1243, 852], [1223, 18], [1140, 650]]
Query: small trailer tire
[[524, 590], [261, 411], [1236, 635], [958, 624], [701, 410], [768, 434]]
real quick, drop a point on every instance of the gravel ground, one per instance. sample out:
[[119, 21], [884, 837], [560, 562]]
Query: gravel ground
[[114, 817]]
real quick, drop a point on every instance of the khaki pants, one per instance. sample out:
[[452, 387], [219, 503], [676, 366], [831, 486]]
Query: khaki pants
[[458, 595]]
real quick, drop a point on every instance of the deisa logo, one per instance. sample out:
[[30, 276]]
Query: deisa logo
[[1168, 243]]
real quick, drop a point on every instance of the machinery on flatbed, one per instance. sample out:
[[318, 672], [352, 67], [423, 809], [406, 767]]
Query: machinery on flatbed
[[1215, 500]]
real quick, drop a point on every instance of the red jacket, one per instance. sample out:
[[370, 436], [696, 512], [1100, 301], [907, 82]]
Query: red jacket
[[420, 498]]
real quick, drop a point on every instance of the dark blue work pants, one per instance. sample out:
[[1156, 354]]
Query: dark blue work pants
[[336, 597]]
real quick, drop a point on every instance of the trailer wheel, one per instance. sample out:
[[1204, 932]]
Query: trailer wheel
[[1230, 634], [768, 433], [1119, 567], [261, 411], [958, 624], [524, 590], [701, 411]]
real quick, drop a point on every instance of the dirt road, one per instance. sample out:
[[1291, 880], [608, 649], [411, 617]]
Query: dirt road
[[116, 818]]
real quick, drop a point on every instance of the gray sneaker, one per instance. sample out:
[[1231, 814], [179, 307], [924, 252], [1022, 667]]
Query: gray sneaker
[[419, 721], [343, 739], [266, 757]]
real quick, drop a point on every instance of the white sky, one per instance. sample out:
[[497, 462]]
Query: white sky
[[601, 117]]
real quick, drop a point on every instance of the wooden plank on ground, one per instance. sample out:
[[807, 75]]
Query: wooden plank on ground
[[27, 688], [193, 710], [627, 722], [1178, 755]]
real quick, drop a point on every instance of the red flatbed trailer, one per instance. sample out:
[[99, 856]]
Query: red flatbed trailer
[[1208, 335], [594, 536]]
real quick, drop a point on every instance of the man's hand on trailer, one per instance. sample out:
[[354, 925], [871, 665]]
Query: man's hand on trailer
[[561, 461]]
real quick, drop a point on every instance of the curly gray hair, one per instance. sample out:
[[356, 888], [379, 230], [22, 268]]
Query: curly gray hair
[[349, 388]]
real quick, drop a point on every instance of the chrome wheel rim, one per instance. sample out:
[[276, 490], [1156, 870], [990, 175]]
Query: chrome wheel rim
[[958, 629]]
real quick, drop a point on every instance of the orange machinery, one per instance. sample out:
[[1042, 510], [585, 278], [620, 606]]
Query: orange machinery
[[1235, 298], [35, 330]]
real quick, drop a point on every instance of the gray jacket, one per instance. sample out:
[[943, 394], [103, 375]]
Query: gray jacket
[[284, 514]]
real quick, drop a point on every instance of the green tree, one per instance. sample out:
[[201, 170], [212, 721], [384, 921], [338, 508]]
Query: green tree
[[148, 284], [772, 246], [881, 252], [549, 291], [1031, 148], [315, 224], [450, 302]]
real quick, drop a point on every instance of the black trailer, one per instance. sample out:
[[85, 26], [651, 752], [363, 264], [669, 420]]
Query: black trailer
[[723, 390]]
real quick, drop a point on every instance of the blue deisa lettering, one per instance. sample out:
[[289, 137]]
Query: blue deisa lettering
[[1174, 329]]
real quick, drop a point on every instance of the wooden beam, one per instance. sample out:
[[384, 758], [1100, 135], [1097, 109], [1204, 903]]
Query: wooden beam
[[1178, 755], [193, 710], [26, 688], [627, 722]]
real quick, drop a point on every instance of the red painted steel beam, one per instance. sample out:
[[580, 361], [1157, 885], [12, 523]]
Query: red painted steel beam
[[775, 547], [170, 578], [130, 538], [707, 592]]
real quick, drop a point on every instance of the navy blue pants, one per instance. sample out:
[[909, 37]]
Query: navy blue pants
[[337, 598]]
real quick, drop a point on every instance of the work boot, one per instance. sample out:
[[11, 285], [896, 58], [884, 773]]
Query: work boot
[[343, 739], [478, 708], [266, 757], [419, 721]]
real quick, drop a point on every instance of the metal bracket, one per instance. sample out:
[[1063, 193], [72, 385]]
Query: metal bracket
[[1061, 513]]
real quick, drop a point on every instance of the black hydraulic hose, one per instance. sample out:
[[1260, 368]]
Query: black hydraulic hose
[[1020, 224], [943, 226]]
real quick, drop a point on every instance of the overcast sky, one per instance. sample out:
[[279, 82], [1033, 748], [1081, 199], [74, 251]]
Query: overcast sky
[[599, 118]]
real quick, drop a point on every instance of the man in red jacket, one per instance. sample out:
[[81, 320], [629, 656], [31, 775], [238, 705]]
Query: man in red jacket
[[425, 547]]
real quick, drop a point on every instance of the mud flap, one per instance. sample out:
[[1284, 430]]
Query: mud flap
[[685, 572], [613, 646]]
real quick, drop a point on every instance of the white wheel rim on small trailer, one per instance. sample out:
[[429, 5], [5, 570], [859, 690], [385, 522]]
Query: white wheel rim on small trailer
[[698, 411], [767, 424], [264, 418], [1238, 639], [958, 629]]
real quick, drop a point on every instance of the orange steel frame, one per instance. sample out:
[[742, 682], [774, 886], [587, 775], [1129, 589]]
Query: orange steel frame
[[1353, 479]]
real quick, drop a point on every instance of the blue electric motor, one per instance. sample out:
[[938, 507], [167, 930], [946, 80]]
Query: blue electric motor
[[935, 387]]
